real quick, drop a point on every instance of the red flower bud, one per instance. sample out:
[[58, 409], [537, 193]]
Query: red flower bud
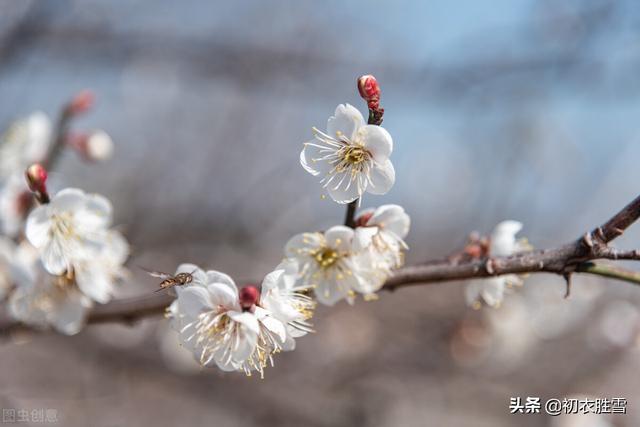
[[369, 90], [362, 220], [248, 296], [82, 102], [36, 176]]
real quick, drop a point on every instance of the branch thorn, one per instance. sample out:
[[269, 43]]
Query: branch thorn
[[567, 278]]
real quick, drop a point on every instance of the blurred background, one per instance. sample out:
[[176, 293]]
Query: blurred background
[[513, 109]]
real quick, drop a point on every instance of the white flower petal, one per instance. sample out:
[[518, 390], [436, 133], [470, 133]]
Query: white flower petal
[[332, 290], [223, 295], [226, 367], [193, 300], [378, 142], [117, 250], [473, 291], [383, 176], [69, 199], [339, 237], [310, 159], [302, 242], [38, 226], [69, 316], [345, 122], [290, 269], [271, 280], [363, 237], [95, 214], [248, 331], [224, 279], [274, 326], [503, 238], [345, 193], [54, 258], [392, 218], [290, 343], [95, 282], [493, 290]]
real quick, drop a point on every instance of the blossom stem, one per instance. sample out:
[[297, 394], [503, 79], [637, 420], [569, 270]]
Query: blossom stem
[[375, 118], [349, 219]]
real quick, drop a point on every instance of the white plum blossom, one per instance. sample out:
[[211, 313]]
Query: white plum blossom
[[382, 231], [351, 157], [97, 273], [70, 260], [491, 290], [328, 263], [217, 329], [62, 301], [25, 142], [288, 302], [341, 262], [50, 304], [42, 300], [69, 229]]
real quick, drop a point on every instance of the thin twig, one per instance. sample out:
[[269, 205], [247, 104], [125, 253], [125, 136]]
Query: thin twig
[[56, 147], [349, 219]]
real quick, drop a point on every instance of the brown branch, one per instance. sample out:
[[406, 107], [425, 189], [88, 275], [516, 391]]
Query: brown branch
[[575, 257], [130, 310], [619, 222], [565, 260]]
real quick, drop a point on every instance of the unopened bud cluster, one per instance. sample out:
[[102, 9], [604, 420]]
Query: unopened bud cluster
[[36, 176], [370, 92]]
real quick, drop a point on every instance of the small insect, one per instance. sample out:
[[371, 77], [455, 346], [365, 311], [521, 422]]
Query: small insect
[[169, 280]]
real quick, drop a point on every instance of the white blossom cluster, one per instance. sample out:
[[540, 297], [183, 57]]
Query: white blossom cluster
[[342, 261], [62, 257], [224, 327], [491, 290]]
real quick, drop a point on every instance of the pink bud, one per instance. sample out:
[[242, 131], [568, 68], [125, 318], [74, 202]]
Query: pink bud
[[369, 90], [36, 176], [363, 219], [248, 296], [82, 102]]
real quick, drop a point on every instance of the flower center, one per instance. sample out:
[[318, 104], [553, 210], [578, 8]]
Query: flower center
[[354, 154], [326, 257], [65, 281], [62, 225]]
